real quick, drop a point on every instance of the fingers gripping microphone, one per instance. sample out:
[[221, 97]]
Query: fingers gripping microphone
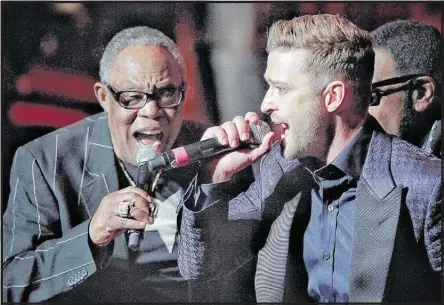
[[144, 155], [187, 154]]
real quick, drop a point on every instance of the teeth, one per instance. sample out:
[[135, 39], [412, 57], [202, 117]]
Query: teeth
[[157, 135], [149, 133]]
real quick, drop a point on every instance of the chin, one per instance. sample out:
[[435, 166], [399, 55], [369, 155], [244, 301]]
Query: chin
[[289, 152], [294, 150]]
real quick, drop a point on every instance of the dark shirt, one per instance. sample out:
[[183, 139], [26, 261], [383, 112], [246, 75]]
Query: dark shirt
[[328, 239]]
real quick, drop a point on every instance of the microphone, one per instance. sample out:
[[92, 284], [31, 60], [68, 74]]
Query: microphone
[[144, 154], [187, 154]]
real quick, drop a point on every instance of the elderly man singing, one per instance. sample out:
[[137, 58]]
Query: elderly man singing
[[74, 191]]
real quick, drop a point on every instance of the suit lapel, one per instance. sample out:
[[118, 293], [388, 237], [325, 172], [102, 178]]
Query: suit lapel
[[378, 205], [100, 174], [272, 259]]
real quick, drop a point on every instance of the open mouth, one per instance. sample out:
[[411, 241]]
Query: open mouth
[[149, 137], [284, 129]]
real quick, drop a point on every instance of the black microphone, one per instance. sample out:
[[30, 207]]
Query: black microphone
[[144, 154], [187, 154]]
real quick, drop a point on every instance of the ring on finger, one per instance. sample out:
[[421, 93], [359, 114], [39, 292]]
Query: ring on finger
[[132, 207], [124, 209]]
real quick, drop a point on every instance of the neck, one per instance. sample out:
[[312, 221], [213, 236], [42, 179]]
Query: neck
[[345, 130]]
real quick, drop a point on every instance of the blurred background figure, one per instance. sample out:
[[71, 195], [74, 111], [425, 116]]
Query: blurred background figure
[[51, 53], [407, 82]]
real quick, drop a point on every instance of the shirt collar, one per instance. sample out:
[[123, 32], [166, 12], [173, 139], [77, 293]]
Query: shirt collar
[[351, 159]]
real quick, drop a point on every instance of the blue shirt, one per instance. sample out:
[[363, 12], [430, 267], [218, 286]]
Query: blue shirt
[[328, 239]]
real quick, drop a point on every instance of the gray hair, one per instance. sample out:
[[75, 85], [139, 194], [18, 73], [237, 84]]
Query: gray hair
[[140, 35]]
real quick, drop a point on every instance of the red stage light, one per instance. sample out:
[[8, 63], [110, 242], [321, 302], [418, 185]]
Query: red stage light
[[28, 114]]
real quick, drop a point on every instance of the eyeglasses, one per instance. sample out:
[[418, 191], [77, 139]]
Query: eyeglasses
[[164, 98], [377, 94]]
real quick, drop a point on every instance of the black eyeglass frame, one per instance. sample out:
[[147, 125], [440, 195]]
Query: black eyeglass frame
[[377, 94], [149, 97]]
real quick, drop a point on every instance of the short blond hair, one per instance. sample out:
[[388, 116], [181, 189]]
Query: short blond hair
[[338, 47]]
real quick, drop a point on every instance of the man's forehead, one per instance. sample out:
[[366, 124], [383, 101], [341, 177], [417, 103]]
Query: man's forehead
[[134, 63], [284, 63], [385, 65], [145, 54]]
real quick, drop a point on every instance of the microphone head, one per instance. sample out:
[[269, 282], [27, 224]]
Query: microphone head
[[258, 131], [145, 154]]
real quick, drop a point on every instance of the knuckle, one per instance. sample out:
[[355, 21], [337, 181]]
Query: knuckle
[[143, 193], [108, 231], [250, 114], [212, 130], [227, 124]]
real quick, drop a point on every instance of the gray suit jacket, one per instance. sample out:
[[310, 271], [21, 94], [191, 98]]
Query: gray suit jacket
[[226, 246], [57, 183]]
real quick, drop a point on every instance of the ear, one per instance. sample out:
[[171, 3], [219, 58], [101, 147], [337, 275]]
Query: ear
[[100, 91], [424, 93], [334, 95]]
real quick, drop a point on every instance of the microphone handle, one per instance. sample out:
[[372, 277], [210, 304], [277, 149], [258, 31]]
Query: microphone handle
[[206, 148], [187, 154], [135, 236]]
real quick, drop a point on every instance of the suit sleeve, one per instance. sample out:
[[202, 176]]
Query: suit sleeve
[[433, 228], [216, 252], [41, 257]]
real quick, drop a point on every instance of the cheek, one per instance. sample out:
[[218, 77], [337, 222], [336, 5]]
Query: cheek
[[120, 122], [392, 108], [174, 116], [393, 102], [175, 119]]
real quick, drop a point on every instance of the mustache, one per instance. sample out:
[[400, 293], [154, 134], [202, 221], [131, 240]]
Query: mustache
[[276, 118]]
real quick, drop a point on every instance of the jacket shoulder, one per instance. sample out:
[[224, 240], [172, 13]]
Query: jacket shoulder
[[413, 161], [418, 172], [68, 141]]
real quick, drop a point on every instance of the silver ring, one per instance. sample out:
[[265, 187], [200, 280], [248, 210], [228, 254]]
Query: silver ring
[[124, 209]]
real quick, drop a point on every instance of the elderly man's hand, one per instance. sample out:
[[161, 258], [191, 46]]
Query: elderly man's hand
[[230, 133], [129, 208]]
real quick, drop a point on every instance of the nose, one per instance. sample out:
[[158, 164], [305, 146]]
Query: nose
[[150, 110], [268, 105]]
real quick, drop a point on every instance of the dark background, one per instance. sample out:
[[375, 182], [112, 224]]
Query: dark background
[[51, 53]]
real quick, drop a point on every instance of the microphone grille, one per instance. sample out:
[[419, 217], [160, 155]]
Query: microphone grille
[[258, 131], [145, 154]]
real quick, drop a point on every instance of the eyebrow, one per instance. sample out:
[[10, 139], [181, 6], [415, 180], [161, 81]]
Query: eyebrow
[[275, 82], [168, 86]]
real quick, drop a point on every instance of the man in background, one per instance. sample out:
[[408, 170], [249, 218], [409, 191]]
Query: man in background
[[74, 193], [406, 96]]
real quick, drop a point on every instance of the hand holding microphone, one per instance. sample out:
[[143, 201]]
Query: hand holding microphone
[[244, 140], [127, 210], [233, 133], [144, 180]]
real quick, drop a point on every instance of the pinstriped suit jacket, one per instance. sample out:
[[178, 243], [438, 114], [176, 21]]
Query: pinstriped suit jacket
[[57, 182], [250, 248]]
